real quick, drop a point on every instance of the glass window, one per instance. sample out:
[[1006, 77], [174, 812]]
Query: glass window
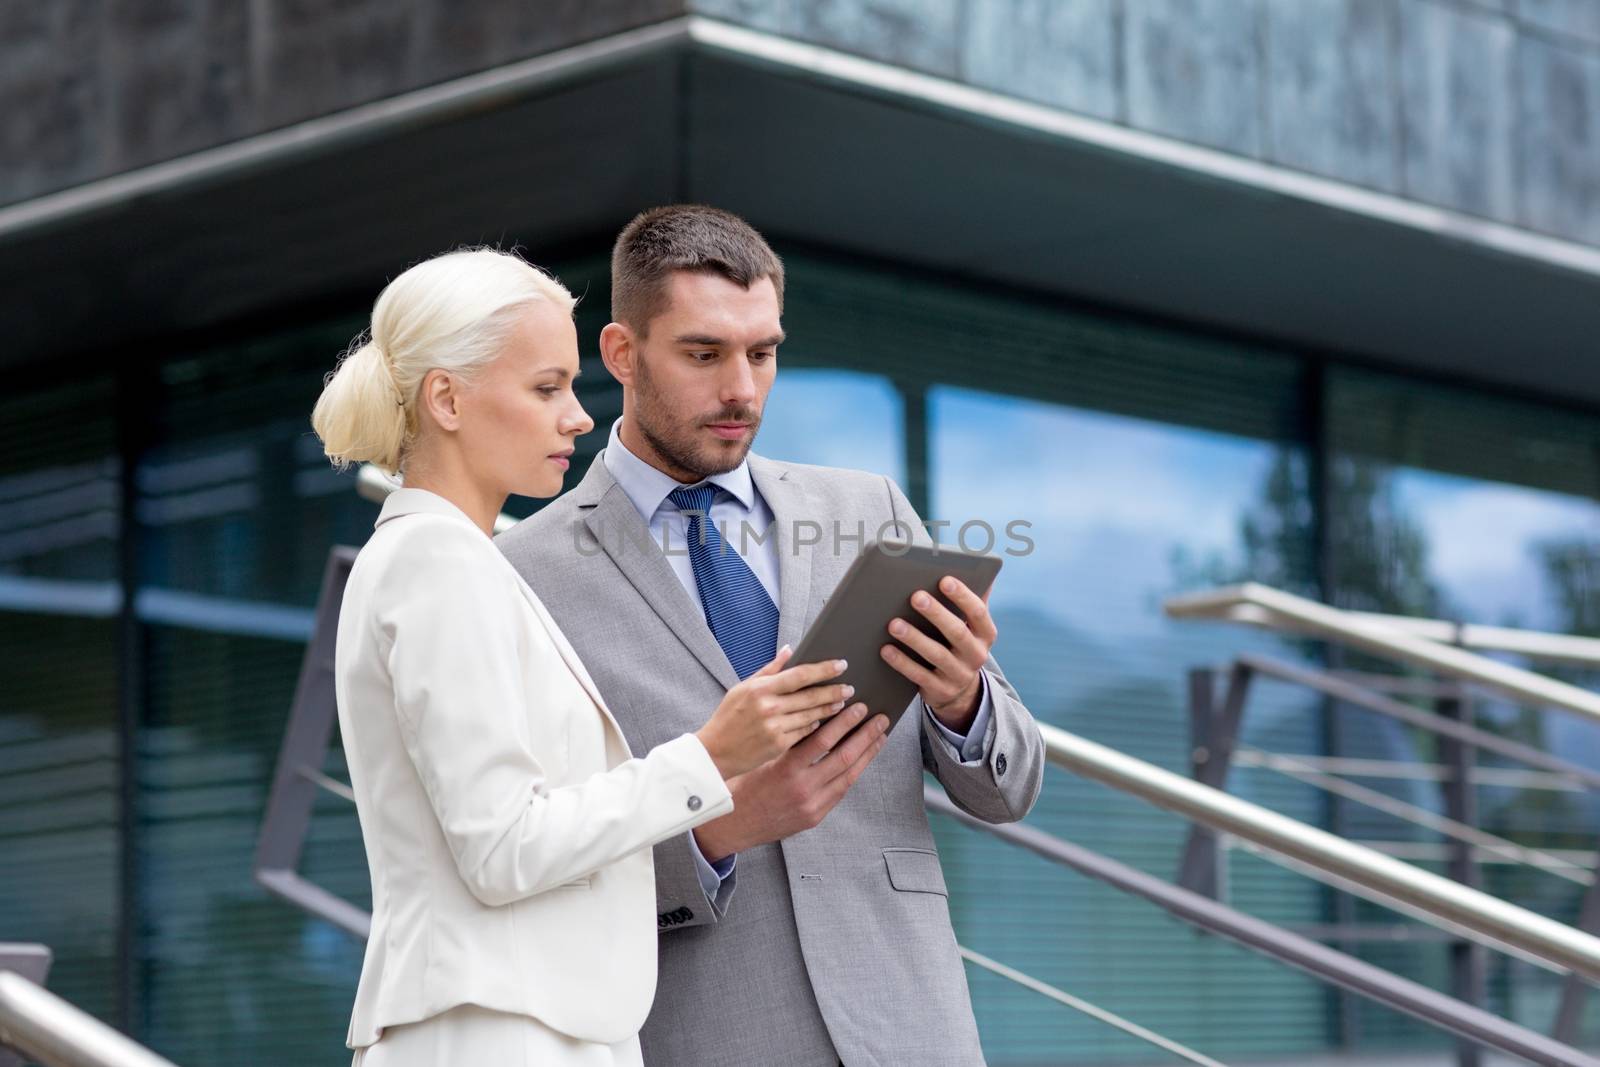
[[60, 762], [834, 418], [237, 510], [1482, 508], [1139, 461]]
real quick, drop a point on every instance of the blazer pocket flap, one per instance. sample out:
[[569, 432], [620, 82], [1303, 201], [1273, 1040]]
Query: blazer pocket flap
[[915, 870]]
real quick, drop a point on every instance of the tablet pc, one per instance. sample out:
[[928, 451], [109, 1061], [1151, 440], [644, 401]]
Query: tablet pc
[[854, 623]]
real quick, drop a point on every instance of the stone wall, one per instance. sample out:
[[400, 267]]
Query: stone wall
[[90, 88], [1491, 107]]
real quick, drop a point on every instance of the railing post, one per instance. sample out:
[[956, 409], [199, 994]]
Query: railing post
[[306, 738], [1575, 991], [1468, 960], [1214, 732]]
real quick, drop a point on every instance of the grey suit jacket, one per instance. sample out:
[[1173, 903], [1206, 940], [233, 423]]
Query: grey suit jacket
[[836, 945]]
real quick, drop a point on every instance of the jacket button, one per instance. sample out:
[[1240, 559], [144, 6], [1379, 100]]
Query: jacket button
[[694, 802], [1000, 765]]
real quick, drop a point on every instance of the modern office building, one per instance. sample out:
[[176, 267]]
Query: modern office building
[[1304, 291]]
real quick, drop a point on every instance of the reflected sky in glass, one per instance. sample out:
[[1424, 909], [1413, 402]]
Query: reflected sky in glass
[[1483, 543], [1109, 499], [1484, 555], [835, 418]]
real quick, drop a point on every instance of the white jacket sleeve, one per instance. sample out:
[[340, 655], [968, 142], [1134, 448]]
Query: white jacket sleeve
[[450, 620]]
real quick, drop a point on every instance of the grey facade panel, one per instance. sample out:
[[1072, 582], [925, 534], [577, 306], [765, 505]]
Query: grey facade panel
[[769, 16], [1404, 96], [1569, 18], [52, 134], [1559, 139], [1194, 70], [919, 34], [1457, 92], [311, 58], [454, 38], [1330, 89], [89, 90], [1064, 55], [182, 79]]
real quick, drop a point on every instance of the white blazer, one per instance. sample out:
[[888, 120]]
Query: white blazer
[[507, 828]]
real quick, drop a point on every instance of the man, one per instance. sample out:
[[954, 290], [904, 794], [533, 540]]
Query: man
[[837, 945]]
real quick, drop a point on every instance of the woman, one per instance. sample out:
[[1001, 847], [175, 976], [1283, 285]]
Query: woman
[[507, 826]]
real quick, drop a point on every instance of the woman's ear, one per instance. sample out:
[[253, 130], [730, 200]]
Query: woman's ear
[[440, 397], [618, 350]]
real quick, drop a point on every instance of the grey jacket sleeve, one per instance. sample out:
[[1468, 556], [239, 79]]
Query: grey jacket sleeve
[[1003, 785], [680, 900]]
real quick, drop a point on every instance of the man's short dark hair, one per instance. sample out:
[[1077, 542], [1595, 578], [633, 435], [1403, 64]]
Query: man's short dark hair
[[690, 237]]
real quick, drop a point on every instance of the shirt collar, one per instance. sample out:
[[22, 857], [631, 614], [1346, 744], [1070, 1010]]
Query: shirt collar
[[647, 487]]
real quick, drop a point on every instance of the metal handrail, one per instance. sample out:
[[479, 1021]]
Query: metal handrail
[[1534, 644], [42, 1026], [1431, 897], [1094, 1011], [1441, 852], [1350, 693], [1263, 605], [1478, 913], [1241, 604], [1408, 770], [1420, 816], [1440, 648], [1284, 946], [351, 918]]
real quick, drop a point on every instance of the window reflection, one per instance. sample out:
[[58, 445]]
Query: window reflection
[[1493, 518], [60, 759], [1122, 511], [1505, 554], [835, 418]]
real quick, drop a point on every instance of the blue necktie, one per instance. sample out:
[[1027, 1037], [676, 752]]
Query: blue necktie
[[742, 617]]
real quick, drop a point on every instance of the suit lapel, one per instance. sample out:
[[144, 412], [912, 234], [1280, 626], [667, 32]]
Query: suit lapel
[[624, 537], [789, 504]]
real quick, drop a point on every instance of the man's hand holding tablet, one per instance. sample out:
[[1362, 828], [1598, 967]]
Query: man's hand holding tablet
[[947, 639], [952, 688], [932, 603]]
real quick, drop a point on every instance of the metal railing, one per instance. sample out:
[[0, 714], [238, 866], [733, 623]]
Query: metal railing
[[1084, 1007], [45, 1028], [1455, 674], [1264, 606], [1480, 915], [1456, 908], [1291, 949], [1240, 603]]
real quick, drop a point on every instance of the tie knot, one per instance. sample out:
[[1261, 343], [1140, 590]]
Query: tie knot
[[693, 497]]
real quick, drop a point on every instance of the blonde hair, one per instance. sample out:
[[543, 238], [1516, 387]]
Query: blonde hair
[[451, 312]]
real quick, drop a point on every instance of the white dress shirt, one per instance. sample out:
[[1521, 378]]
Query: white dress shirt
[[731, 511]]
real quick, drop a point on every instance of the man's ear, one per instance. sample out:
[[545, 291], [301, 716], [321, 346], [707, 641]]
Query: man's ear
[[440, 395], [619, 349]]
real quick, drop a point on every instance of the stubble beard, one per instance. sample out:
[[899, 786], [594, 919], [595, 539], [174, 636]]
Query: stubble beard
[[673, 437]]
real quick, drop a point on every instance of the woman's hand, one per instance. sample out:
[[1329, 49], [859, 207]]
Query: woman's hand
[[764, 715]]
